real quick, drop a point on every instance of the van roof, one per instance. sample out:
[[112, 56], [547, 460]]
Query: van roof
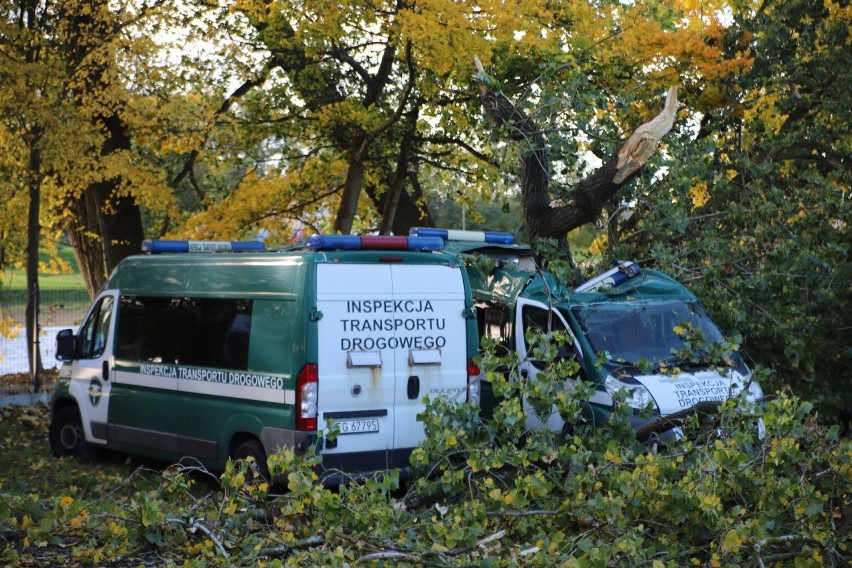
[[234, 274]]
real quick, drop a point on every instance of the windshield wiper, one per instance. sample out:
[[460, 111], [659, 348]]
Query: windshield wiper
[[668, 362]]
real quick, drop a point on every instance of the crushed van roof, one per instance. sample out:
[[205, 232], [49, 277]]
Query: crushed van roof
[[647, 285], [474, 247], [505, 281]]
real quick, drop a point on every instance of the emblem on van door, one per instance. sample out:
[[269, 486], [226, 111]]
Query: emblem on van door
[[95, 390], [356, 390]]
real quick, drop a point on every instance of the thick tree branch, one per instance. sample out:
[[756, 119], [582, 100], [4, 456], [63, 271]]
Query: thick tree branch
[[462, 144], [554, 219], [394, 118]]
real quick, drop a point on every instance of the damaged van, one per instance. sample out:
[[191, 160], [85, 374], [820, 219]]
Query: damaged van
[[630, 329]]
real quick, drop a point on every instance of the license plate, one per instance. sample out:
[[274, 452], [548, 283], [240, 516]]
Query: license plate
[[358, 426]]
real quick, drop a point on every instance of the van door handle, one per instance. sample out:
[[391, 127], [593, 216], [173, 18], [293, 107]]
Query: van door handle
[[413, 387], [105, 369]]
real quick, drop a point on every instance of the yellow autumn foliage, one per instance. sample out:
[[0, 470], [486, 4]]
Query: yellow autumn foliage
[[699, 194], [669, 42]]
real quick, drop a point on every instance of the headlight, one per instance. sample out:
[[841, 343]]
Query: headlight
[[474, 391], [637, 396], [755, 393]]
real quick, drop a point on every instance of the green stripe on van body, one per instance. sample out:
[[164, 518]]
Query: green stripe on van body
[[62, 389], [175, 422], [141, 417]]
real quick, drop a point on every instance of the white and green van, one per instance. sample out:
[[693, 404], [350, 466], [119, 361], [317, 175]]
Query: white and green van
[[196, 349], [626, 329]]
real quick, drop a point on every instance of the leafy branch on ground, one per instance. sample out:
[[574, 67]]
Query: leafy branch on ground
[[483, 493]]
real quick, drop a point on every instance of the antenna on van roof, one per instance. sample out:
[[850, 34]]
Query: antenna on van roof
[[472, 236], [156, 246]]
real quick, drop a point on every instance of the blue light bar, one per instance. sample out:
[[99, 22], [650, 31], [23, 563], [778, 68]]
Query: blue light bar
[[623, 271], [156, 246], [355, 242], [471, 236], [334, 242]]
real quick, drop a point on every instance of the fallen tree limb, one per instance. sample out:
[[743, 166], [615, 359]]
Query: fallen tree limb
[[553, 219]]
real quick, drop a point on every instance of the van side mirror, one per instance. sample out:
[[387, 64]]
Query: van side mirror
[[66, 345]]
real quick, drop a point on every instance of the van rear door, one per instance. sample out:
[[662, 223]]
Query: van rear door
[[432, 356], [389, 335]]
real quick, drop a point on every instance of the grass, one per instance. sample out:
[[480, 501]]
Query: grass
[[60, 298], [27, 466], [56, 291], [16, 279]]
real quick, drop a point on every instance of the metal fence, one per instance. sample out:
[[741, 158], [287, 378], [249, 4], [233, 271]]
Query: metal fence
[[57, 309]]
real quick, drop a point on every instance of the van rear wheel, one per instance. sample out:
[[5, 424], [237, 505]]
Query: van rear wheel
[[66, 434], [253, 449]]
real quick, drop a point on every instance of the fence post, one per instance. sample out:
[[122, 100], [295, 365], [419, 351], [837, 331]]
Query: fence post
[[36, 335]]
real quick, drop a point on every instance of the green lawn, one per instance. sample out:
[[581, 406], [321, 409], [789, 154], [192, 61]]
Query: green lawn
[[15, 279], [57, 291]]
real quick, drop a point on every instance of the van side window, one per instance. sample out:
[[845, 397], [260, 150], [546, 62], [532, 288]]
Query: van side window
[[493, 322], [202, 332], [536, 319], [94, 333], [217, 333], [149, 329]]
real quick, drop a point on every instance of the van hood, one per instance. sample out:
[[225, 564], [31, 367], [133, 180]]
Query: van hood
[[674, 393]]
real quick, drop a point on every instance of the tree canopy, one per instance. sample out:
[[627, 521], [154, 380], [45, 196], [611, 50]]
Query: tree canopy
[[126, 119]]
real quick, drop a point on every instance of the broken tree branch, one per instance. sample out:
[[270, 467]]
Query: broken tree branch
[[553, 219], [638, 149]]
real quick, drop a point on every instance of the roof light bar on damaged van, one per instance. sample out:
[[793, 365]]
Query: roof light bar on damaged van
[[155, 246], [472, 236], [372, 242], [623, 271]]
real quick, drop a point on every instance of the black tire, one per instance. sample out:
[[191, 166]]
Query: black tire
[[253, 449], [66, 434]]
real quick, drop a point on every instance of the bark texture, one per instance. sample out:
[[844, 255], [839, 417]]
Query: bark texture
[[108, 227]]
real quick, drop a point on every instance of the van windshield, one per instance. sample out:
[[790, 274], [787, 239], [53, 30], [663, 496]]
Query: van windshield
[[644, 330]]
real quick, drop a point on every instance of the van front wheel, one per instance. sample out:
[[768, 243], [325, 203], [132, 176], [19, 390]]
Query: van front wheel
[[66, 434], [253, 449]]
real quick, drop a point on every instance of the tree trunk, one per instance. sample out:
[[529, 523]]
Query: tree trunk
[[109, 227], [83, 234], [396, 187], [33, 227], [351, 187], [121, 225], [33, 234]]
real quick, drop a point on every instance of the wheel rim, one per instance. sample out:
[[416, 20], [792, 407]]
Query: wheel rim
[[69, 436]]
